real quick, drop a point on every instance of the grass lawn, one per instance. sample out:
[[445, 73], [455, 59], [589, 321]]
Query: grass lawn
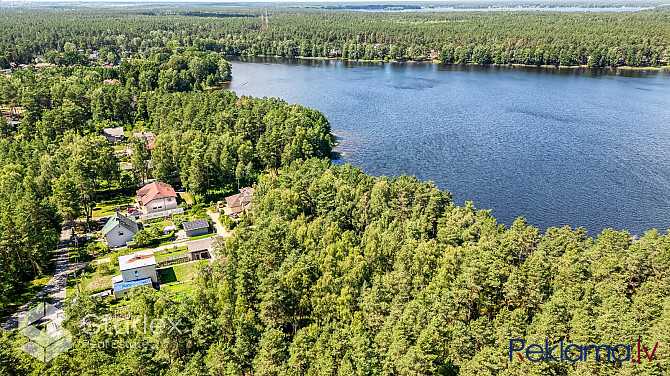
[[202, 236], [170, 252], [95, 277], [186, 197], [26, 292], [108, 207], [185, 288], [180, 273]]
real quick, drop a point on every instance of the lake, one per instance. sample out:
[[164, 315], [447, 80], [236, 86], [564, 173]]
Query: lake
[[560, 147]]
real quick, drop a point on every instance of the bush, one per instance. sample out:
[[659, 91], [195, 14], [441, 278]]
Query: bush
[[143, 238]]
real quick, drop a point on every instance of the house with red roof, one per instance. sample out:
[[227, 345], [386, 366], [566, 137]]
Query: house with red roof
[[156, 196]]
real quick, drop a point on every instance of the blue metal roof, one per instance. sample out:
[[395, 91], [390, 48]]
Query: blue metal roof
[[127, 285]]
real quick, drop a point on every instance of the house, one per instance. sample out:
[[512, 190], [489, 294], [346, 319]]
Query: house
[[240, 202], [196, 228], [156, 196], [200, 249], [113, 134], [122, 288], [119, 230], [144, 136], [137, 269], [149, 137]]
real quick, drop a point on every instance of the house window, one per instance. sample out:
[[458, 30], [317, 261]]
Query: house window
[[169, 199], [136, 274]]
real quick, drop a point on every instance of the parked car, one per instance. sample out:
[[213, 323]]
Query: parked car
[[133, 211]]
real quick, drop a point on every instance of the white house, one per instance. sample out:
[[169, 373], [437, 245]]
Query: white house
[[137, 269], [156, 196], [119, 230]]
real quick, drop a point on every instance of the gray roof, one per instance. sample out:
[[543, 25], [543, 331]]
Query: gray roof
[[195, 225], [115, 132], [199, 245]]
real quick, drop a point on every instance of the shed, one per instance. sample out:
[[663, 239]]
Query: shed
[[199, 249], [196, 228]]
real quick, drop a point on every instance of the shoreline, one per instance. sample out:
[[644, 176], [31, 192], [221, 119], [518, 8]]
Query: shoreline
[[435, 61]]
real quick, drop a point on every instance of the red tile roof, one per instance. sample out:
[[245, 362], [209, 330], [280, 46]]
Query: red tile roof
[[155, 190]]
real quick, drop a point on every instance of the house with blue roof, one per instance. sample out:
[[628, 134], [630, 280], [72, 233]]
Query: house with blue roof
[[137, 269]]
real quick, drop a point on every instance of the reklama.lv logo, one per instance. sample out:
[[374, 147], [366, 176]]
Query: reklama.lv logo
[[577, 353]]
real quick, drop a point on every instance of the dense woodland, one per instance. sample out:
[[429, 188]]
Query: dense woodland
[[533, 38], [337, 272], [347, 274], [56, 166]]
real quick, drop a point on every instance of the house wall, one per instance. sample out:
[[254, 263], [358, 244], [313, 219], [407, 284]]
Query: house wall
[[119, 236], [161, 204], [197, 232], [118, 294], [143, 272]]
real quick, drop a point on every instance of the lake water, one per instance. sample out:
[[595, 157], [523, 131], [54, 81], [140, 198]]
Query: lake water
[[560, 147]]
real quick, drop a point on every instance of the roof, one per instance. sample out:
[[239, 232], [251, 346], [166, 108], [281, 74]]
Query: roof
[[154, 191], [241, 200], [199, 245], [127, 285], [195, 225], [116, 131], [120, 219], [137, 260]]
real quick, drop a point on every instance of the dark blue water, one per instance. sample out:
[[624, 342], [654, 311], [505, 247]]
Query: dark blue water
[[559, 147]]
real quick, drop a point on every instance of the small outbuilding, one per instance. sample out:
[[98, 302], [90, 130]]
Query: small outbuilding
[[200, 249], [196, 228]]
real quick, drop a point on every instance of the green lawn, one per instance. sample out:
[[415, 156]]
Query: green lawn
[[170, 252], [108, 207], [180, 273], [97, 276], [185, 288]]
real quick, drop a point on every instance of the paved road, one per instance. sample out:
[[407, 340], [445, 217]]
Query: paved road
[[56, 285]]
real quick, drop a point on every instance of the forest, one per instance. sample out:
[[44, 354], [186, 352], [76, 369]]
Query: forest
[[56, 165], [336, 272], [596, 39], [343, 273]]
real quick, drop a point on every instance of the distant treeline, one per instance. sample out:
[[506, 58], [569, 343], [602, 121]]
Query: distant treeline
[[533, 38]]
